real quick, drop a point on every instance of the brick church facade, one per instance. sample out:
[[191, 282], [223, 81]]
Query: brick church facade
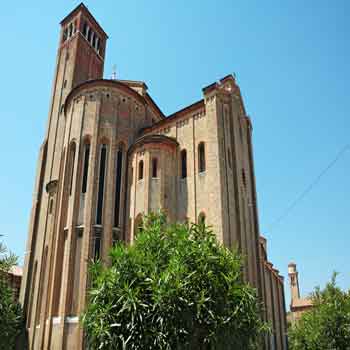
[[109, 156]]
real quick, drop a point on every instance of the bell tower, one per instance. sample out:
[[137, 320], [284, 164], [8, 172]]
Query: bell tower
[[80, 57], [82, 46], [293, 280]]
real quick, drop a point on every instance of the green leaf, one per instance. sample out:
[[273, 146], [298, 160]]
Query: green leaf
[[176, 287]]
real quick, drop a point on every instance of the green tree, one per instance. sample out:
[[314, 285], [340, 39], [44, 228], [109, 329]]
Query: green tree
[[327, 325], [10, 311], [174, 288]]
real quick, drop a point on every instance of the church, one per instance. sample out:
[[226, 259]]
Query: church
[[109, 156]]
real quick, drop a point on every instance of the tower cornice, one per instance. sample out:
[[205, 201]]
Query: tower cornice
[[81, 7]]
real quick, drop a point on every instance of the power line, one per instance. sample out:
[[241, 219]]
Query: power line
[[310, 187]]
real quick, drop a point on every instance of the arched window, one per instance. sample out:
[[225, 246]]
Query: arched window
[[70, 29], [43, 270], [89, 34], [229, 158], [244, 179], [118, 182], [85, 167], [154, 167], [140, 169], [240, 129], [138, 225], [201, 219], [201, 157], [85, 29], [51, 206], [183, 164], [97, 246], [292, 280], [71, 166], [31, 294], [65, 35], [98, 45], [101, 184]]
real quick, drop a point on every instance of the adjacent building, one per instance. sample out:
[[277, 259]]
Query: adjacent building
[[14, 278], [274, 301], [298, 305], [109, 156]]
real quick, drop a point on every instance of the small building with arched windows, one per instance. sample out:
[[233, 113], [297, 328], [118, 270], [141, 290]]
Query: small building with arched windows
[[110, 156]]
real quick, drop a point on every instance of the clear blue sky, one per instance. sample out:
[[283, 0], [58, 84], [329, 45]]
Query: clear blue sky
[[292, 63]]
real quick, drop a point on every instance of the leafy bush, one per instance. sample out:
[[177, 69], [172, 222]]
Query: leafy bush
[[10, 311], [327, 325], [174, 288]]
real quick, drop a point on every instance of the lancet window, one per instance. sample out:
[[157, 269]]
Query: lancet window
[[140, 169], [101, 183], [85, 167], [201, 157], [118, 182], [154, 167], [201, 219], [183, 164], [71, 166]]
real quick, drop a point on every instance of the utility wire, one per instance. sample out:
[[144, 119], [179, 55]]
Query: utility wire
[[310, 187]]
